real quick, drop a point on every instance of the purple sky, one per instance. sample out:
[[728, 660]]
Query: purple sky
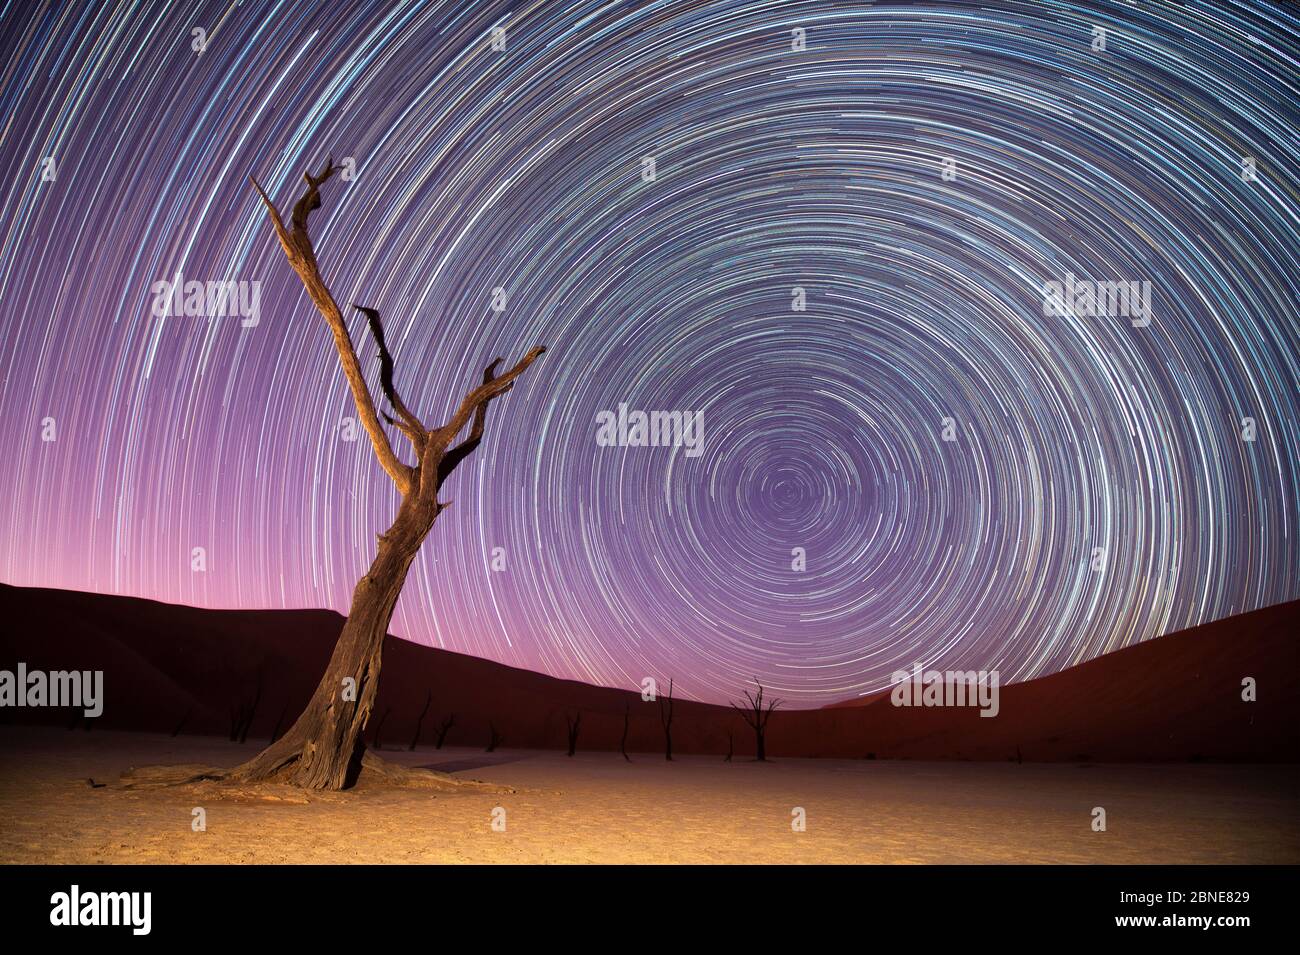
[[1098, 488]]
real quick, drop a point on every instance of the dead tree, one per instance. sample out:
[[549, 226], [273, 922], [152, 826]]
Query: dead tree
[[181, 725], [444, 729], [756, 715], [419, 724], [279, 721], [627, 718], [573, 725], [731, 746], [252, 710], [379, 727], [666, 718], [324, 748], [495, 739], [241, 715]]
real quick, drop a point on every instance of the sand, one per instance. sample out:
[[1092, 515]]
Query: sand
[[596, 808]]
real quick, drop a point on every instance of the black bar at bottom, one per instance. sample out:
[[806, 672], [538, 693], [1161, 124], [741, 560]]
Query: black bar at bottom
[[342, 904]]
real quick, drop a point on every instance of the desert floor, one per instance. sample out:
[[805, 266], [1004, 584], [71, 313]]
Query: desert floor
[[596, 808]]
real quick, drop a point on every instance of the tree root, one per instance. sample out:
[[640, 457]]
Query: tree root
[[375, 773], [156, 777]]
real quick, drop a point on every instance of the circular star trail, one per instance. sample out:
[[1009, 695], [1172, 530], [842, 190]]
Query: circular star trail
[[825, 228]]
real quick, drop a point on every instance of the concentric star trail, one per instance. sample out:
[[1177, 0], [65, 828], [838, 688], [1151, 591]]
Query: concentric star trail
[[839, 261]]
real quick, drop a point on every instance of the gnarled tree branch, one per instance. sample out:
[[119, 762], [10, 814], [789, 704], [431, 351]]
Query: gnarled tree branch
[[463, 450], [440, 439], [436, 461], [409, 424], [298, 248]]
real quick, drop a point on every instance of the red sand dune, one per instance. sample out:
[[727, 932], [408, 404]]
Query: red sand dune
[[1177, 697]]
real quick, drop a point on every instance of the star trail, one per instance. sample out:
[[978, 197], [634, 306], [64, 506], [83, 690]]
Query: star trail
[[824, 227]]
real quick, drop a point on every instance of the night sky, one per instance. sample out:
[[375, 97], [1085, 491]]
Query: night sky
[[1097, 489]]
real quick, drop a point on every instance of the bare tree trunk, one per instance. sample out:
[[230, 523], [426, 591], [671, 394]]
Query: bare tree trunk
[[279, 721], [444, 729], [666, 719], [251, 711], [419, 723], [379, 728], [573, 726], [622, 744], [241, 716], [323, 749]]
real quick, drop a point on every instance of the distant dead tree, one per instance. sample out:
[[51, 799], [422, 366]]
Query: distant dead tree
[[666, 718], [181, 725], [627, 718], [379, 727], [279, 721], [756, 715], [573, 725], [242, 713], [495, 739], [324, 748], [419, 723], [731, 746], [443, 729]]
